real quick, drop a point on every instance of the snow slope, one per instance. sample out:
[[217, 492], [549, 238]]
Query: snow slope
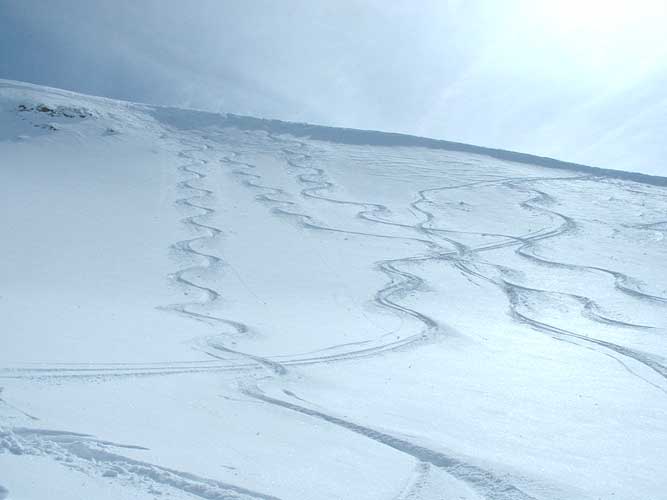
[[220, 307]]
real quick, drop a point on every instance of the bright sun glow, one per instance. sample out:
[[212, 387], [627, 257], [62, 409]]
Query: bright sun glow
[[596, 35], [596, 17]]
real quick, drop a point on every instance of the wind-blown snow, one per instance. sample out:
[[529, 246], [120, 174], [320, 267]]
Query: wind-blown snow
[[213, 306]]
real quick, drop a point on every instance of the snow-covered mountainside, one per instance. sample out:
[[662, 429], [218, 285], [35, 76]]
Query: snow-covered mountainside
[[202, 306]]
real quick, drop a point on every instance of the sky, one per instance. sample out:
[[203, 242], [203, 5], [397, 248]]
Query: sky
[[578, 80]]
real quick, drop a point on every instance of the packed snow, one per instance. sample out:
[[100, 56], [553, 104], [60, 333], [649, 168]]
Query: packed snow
[[205, 306]]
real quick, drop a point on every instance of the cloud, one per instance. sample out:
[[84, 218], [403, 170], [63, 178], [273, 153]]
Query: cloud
[[499, 74]]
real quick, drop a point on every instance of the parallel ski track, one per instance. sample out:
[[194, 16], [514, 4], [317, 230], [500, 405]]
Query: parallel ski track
[[463, 254], [401, 281], [187, 247]]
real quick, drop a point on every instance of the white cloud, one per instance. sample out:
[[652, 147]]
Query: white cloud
[[549, 77]]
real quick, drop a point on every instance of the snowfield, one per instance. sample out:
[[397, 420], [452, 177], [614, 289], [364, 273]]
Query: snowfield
[[203, 306]]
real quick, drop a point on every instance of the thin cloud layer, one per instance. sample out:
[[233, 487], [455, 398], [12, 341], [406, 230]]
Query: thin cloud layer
[[585, 85]]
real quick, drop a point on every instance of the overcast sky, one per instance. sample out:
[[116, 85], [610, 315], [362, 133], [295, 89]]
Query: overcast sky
[[578, 80]]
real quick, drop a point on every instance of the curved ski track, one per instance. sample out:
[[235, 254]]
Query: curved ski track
[[400, 282], [85, 453], [463, 255], [185, 247]]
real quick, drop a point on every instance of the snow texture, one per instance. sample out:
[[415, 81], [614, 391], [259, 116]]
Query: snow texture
[[204, 306]]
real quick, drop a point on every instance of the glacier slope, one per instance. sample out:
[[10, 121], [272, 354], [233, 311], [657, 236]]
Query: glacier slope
[[210, 306]]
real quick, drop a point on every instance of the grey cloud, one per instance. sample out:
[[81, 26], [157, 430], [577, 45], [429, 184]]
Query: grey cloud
[[463, 71]]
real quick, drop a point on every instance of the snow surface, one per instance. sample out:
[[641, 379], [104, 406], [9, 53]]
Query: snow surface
[[212, 306]]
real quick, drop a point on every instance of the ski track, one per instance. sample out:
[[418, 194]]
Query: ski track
[[464, 254], [186, 247], [92, 456], [401, 282], [481, 480], [97, 457], [88, 455], [485, 482], [412, 491]]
